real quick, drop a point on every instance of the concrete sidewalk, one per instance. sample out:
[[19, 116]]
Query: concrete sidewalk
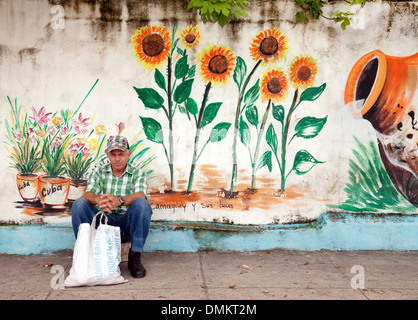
[[260, 275]]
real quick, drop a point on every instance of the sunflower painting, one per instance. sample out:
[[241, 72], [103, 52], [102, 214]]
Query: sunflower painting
[[190, 36], [268, 46], [303, 71], [273, 86], [216, 64], [261, 124], [151, 45]]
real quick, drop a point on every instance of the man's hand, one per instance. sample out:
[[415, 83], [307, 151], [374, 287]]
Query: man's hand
[[108, 202]]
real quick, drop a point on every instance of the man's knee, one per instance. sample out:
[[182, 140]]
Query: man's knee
[[81, 208], [79, 205], [141, 206]]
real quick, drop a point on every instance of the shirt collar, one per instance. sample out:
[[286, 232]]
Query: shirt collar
[[108, 168]]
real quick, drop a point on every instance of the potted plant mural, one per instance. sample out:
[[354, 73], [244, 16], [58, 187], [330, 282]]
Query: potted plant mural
[[53, 185], [78, 158], [53, 143], [76, 166], [25, 156], [26, 159]]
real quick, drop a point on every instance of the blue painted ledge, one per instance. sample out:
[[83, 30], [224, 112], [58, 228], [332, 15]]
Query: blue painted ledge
[[331, 231]]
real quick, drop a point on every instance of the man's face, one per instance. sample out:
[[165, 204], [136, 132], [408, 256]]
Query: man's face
[[118, 159]]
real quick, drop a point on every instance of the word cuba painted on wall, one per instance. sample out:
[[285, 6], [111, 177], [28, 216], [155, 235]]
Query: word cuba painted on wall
[[53, 153]]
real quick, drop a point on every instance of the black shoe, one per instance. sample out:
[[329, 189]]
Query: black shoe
[[135, 265]]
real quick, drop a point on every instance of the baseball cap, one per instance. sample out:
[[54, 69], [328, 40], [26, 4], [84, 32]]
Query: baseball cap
[[117, 143]]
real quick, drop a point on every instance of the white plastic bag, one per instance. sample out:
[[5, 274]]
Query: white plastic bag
[[96, 255]]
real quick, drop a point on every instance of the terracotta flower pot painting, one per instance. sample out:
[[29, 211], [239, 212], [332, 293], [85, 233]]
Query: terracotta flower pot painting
[[54, 191], [382, 90], [27, 184], [53, 153]]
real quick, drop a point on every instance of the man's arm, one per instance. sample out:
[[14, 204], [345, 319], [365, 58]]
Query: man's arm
[[91, 197], [132, 197]]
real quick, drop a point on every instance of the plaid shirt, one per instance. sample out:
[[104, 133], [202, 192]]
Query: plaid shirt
[[102, 180]]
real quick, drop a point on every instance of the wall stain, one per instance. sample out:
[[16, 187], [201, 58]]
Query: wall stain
[[403, 8], [110, 10], [28, 53]]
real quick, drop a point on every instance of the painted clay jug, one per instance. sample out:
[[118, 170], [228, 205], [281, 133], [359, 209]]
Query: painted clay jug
[[385, 88]]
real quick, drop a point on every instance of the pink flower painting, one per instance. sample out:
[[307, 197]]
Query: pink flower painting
[[80, 124], [40, 117]]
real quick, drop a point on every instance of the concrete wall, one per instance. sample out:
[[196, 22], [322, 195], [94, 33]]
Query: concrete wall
[[53, 52]]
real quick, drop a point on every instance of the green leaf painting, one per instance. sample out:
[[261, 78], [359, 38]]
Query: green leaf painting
[[304, 162], [309, 127], [311, 94], [182, 68], [210, 113], [219, 132], [266, 161], [159, 80], [150, 98], [182, 92], [278, 113], [192, 106], [271, 138], [240, 72], [252, 115], [152, 129]]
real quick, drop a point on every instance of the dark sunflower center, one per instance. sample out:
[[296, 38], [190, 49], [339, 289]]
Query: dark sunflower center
[[153, 45], [269, 46], [190, 38], [304, 73], [274, 85], [218, 64]]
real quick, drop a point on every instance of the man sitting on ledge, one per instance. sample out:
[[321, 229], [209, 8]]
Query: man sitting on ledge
[[119, 188]]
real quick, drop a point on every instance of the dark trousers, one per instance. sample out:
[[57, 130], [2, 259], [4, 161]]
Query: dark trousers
[[134, 224]]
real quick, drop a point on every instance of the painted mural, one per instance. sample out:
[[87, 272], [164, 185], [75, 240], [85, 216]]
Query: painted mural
[[263, 143], [382, 90], [54, 152], [261, 122]]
